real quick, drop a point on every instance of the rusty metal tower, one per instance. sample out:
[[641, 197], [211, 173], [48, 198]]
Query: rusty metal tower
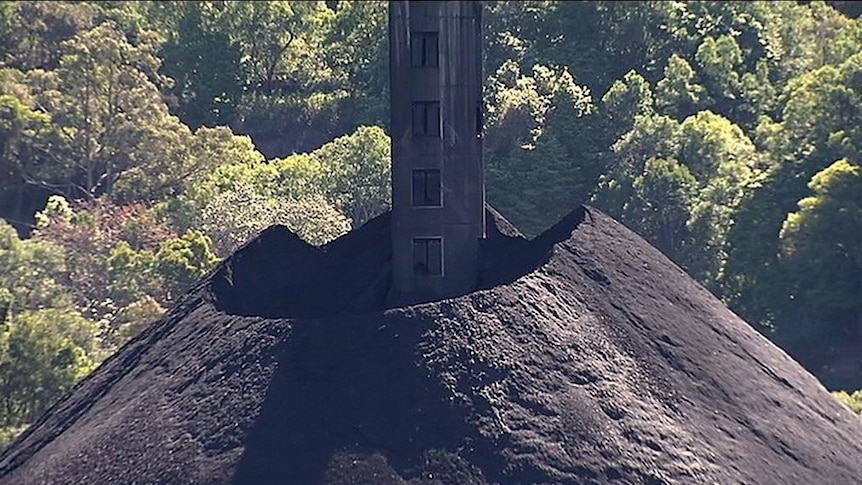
[[438, 191]]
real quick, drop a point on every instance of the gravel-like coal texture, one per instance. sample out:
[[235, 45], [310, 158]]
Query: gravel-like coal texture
[[586, 358]]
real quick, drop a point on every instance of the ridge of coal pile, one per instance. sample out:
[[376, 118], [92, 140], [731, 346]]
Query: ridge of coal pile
[[587, 358]]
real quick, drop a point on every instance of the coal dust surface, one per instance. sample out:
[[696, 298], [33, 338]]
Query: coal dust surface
[[585, 357]]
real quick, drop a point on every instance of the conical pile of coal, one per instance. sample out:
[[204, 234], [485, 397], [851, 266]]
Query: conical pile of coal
[[586, 358]]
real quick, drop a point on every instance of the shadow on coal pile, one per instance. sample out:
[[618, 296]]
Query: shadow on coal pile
[[278, 275], [349, 404]]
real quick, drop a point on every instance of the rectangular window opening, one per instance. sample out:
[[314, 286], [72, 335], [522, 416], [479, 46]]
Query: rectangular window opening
[[479, 120], [426, 118], [428, 256], [427, 188], [424, 49]]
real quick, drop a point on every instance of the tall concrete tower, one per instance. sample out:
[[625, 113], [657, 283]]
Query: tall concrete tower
[[438, 189]]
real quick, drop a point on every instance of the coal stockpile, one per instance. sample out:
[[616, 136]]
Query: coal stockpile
[[586, 357]]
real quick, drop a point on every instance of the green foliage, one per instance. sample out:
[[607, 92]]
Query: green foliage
[[117, 255], [852, 401], [45, 344], [828, 224], [280, 41], [819, 123], [612, 38], [5, 306], [31, 273], [677, 93], [661, 201], [529, 130], [719, 60], [627, 98], [9, 433], [91, 277], [131, 320], [108, 124], [182, 261], [758, 95], [357, 173], [821, 246], [22, 128], [130, 273], [708, 141], [680, 185], [204, 64], [42, 354], [220, 158], [33, 32], [311, 73], [357, 55], [239, 213], [320, 194]]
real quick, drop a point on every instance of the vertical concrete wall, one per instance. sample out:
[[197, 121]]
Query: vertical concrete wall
[[455, 82]]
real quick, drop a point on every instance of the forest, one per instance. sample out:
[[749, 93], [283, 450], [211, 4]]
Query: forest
[[142, 142]]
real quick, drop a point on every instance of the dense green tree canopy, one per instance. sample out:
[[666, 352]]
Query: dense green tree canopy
[[820, 242]]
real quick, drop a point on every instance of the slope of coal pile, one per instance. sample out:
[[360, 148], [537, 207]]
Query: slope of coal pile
[[587, 358]]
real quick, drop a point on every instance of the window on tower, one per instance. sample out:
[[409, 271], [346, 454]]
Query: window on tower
[[426, 118], [426, 188], [423, 49], [428, 256], [479, 121]]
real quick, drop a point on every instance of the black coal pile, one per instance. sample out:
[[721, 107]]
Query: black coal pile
[[586, 357]]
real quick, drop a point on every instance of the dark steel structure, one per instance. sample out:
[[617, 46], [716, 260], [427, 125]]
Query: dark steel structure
[[438, 191]]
